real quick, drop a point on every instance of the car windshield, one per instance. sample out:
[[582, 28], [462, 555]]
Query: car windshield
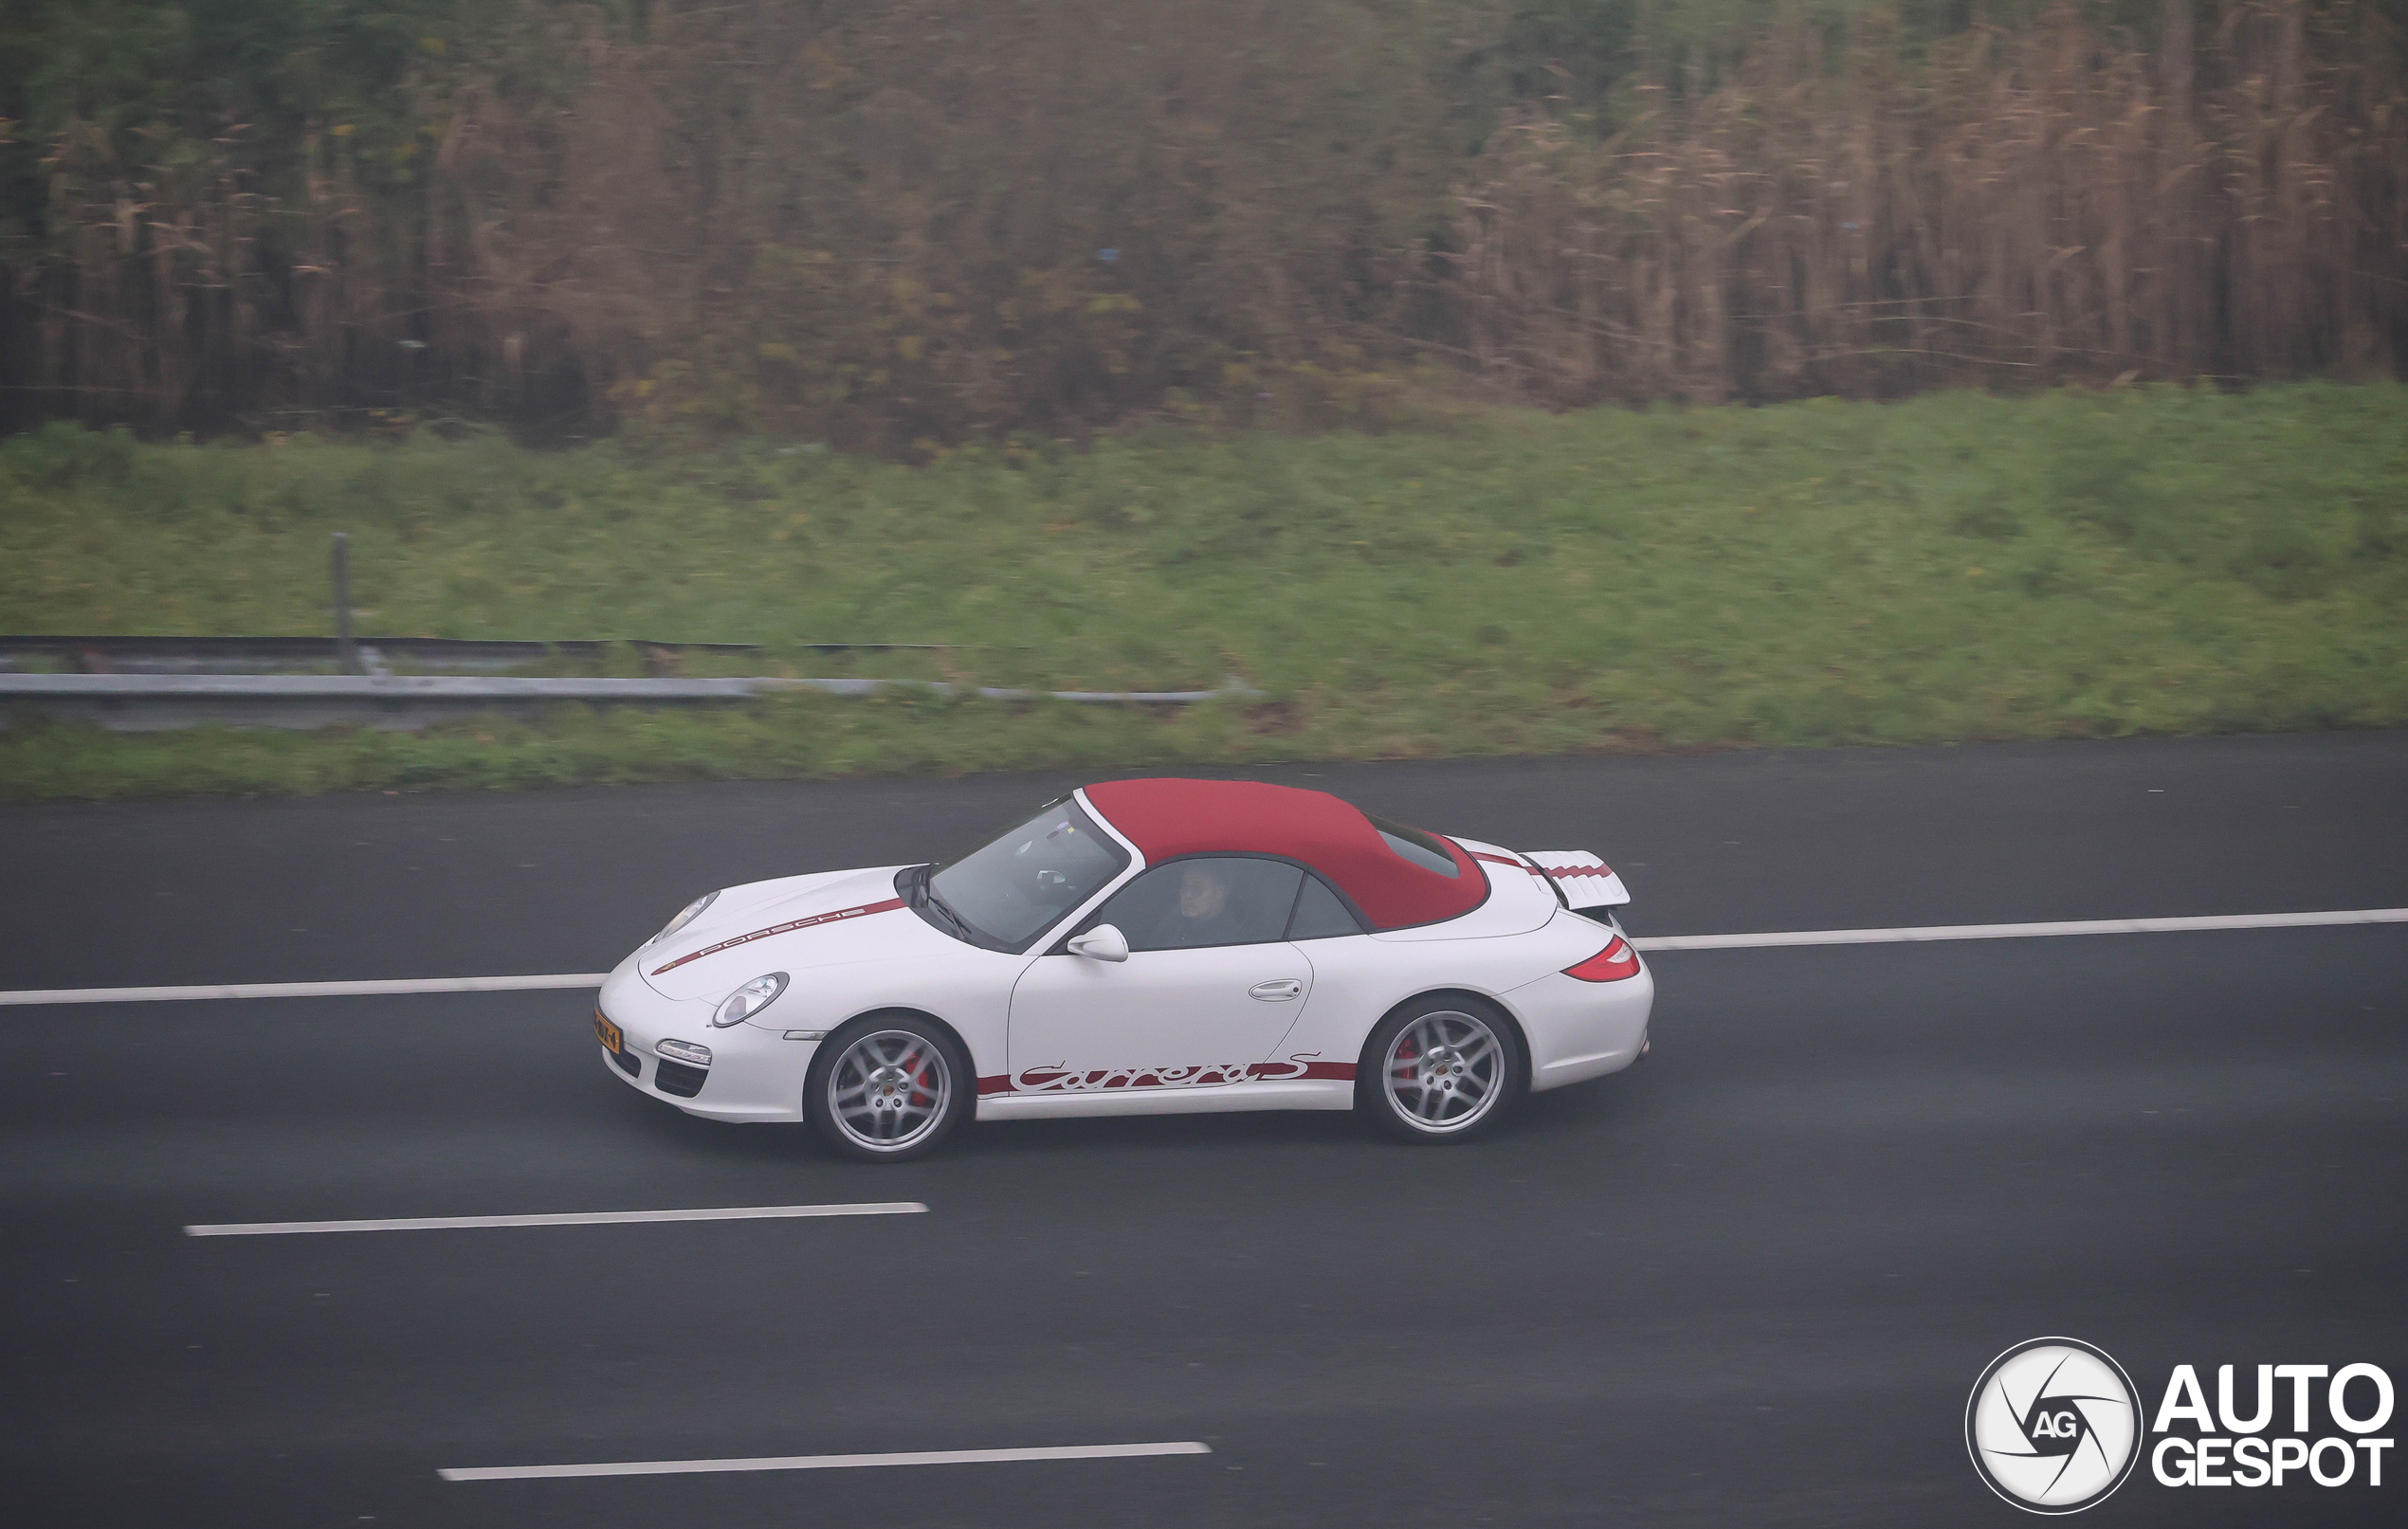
[[1006, 891]]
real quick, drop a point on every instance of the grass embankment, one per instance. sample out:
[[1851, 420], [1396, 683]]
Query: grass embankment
[[1954, 566]]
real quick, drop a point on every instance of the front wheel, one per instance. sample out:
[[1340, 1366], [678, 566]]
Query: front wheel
[[1439, 1070], [887, 1087]]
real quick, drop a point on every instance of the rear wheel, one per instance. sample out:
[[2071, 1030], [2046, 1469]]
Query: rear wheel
[[1439, 1070], [887, 1087]]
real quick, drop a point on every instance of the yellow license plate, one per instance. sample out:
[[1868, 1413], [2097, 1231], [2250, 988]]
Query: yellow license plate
[[606, 1033]]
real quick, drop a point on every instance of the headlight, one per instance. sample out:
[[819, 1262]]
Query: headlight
[[749, 1000], [685, 915]]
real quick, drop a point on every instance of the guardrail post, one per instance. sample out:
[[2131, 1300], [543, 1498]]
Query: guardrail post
[[346, 660]]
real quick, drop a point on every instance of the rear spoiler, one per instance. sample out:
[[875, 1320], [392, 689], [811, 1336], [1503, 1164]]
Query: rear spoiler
[[1585, 881]]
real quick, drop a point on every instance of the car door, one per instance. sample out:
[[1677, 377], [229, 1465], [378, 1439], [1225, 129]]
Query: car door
[[1209, 988]]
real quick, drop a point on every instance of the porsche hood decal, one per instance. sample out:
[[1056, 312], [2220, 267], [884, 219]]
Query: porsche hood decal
[[788, 927]]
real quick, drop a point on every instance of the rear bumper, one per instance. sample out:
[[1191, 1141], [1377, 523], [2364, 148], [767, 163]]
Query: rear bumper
[[1583, 1029]]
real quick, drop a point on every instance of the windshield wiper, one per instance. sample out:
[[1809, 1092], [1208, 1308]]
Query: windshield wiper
[[924, 900]]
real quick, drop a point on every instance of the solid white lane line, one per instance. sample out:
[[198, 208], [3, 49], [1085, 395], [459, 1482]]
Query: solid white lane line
[[572, 1218], [304, 989], [2041, 931], [1646, 942], [914, 1457]]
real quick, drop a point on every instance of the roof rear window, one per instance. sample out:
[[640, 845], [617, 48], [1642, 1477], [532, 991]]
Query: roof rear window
[[1421, 849]]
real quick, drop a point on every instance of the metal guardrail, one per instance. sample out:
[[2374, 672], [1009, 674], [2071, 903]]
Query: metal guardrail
[[239, 655], [350, 654], [153, 702]]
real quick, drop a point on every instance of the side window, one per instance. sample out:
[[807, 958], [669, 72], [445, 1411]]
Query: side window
[[1319, 915], [1190, 903]]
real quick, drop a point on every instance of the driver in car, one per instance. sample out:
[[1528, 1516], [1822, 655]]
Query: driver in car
[[1202, 916]]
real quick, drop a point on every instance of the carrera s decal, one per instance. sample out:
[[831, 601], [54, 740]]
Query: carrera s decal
[[1056, 1079], [782, 929]]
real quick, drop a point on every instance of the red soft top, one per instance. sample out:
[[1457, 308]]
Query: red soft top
[[1168, 818]]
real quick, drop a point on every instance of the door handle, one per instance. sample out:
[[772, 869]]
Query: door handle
[[1276, 992]]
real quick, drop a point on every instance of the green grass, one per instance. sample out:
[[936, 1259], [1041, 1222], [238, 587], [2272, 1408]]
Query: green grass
[[1953, 566]]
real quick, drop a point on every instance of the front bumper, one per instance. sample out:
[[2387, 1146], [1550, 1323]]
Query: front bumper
[[754, 1074], [672, 1080]]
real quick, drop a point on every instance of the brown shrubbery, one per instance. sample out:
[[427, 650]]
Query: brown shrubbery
[[2052, 204], [900, 221]]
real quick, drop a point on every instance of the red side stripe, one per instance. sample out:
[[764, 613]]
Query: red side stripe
[[782, 929], [1501, 860], [1337, 1071], [1117, 1079]]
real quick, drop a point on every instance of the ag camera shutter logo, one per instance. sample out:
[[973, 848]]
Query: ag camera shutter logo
[[2053, 1425]]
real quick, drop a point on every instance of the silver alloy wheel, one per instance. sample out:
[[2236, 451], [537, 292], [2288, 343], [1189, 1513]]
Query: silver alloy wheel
[[1444, 1071], [889, 1089]]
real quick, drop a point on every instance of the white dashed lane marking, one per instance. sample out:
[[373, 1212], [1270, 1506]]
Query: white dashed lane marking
[[304, 989], [32, 997], [914, 1457], [2038, 931], [571, 1218]]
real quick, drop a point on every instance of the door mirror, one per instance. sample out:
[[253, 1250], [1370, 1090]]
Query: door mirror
[[1101, 943]]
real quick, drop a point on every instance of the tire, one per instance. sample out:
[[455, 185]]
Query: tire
[[889, 1087], [1463, 1095]]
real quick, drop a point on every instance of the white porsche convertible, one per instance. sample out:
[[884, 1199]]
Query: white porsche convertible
[[1141, 946]]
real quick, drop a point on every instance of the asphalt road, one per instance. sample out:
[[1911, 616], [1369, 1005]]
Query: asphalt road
[[1747, 1283]]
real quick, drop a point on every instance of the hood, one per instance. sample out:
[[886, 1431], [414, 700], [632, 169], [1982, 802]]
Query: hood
[[793, 926]]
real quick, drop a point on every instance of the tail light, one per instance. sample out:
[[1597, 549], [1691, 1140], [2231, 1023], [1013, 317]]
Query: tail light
[[1612, 964]]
